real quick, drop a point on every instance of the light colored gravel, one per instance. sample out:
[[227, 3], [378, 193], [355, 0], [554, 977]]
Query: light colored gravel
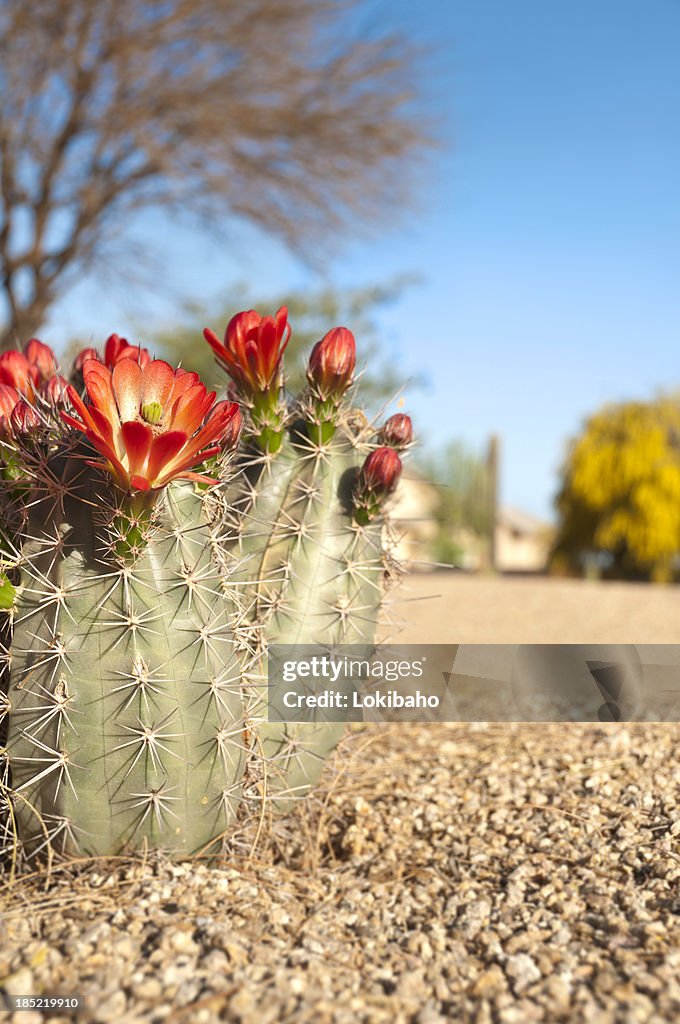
[[460, 873], [452, 607]]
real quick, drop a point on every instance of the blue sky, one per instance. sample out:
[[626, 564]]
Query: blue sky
[[547, 235]]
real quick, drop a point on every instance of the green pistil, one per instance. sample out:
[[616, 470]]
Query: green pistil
[[152, 413]]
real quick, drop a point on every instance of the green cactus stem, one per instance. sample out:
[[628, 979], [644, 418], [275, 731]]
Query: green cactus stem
[[310, 575], [126, 723]]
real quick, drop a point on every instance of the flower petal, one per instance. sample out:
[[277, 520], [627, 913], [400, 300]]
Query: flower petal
[[99, 387], [183, 462], [82, 410], [126, 380], [190, 408], [164, 448], [137, 439], [158, 379]]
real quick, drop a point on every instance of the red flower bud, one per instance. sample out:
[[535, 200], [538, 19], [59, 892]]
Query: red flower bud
[[331, 364], [9, 397], [16, 371], [54, 391], [252, 350], [41, 358], [118, 348], [85, 353], [377, 478], [380, 472], [24, 419], [397, 431]]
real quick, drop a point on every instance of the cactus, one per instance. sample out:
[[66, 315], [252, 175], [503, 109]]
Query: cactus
[[311, 575], [126, 705], [158, 560]]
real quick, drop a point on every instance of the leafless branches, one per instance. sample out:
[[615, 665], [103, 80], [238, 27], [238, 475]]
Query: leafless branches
[[267, 109]]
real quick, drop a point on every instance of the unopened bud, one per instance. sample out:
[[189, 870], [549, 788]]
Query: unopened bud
[[54, 391], [42, 358], [118, 348], [397, 431], [331, 364], [377, 479], [24, 419], [9, 397]]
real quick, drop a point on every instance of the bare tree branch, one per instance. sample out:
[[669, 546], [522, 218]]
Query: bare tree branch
[[270, 110]]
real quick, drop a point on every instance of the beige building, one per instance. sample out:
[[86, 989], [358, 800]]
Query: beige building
[[413, 513], [522, 542]]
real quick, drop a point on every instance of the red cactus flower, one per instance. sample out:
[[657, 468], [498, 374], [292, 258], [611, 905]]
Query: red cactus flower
[[9, 397], [41, 358], [118, 348], [115, 349], [397, 431], [152, 424], [252, 349], [24, 419], [331, 364]]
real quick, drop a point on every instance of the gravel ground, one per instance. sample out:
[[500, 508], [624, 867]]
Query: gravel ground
[[470, 873], [452, 607]]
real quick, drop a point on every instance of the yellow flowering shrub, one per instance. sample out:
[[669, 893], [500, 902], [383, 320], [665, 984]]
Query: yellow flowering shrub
[[621, 491]]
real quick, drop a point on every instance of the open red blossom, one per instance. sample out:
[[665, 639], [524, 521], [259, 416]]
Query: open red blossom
[[252, 349], [151, 424], [9, 397], [332, 362]]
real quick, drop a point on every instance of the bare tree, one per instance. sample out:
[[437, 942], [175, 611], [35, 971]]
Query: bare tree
[[271, 110]]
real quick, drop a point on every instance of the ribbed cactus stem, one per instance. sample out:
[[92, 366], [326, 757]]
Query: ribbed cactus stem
[[126, 710], [311, 576]]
